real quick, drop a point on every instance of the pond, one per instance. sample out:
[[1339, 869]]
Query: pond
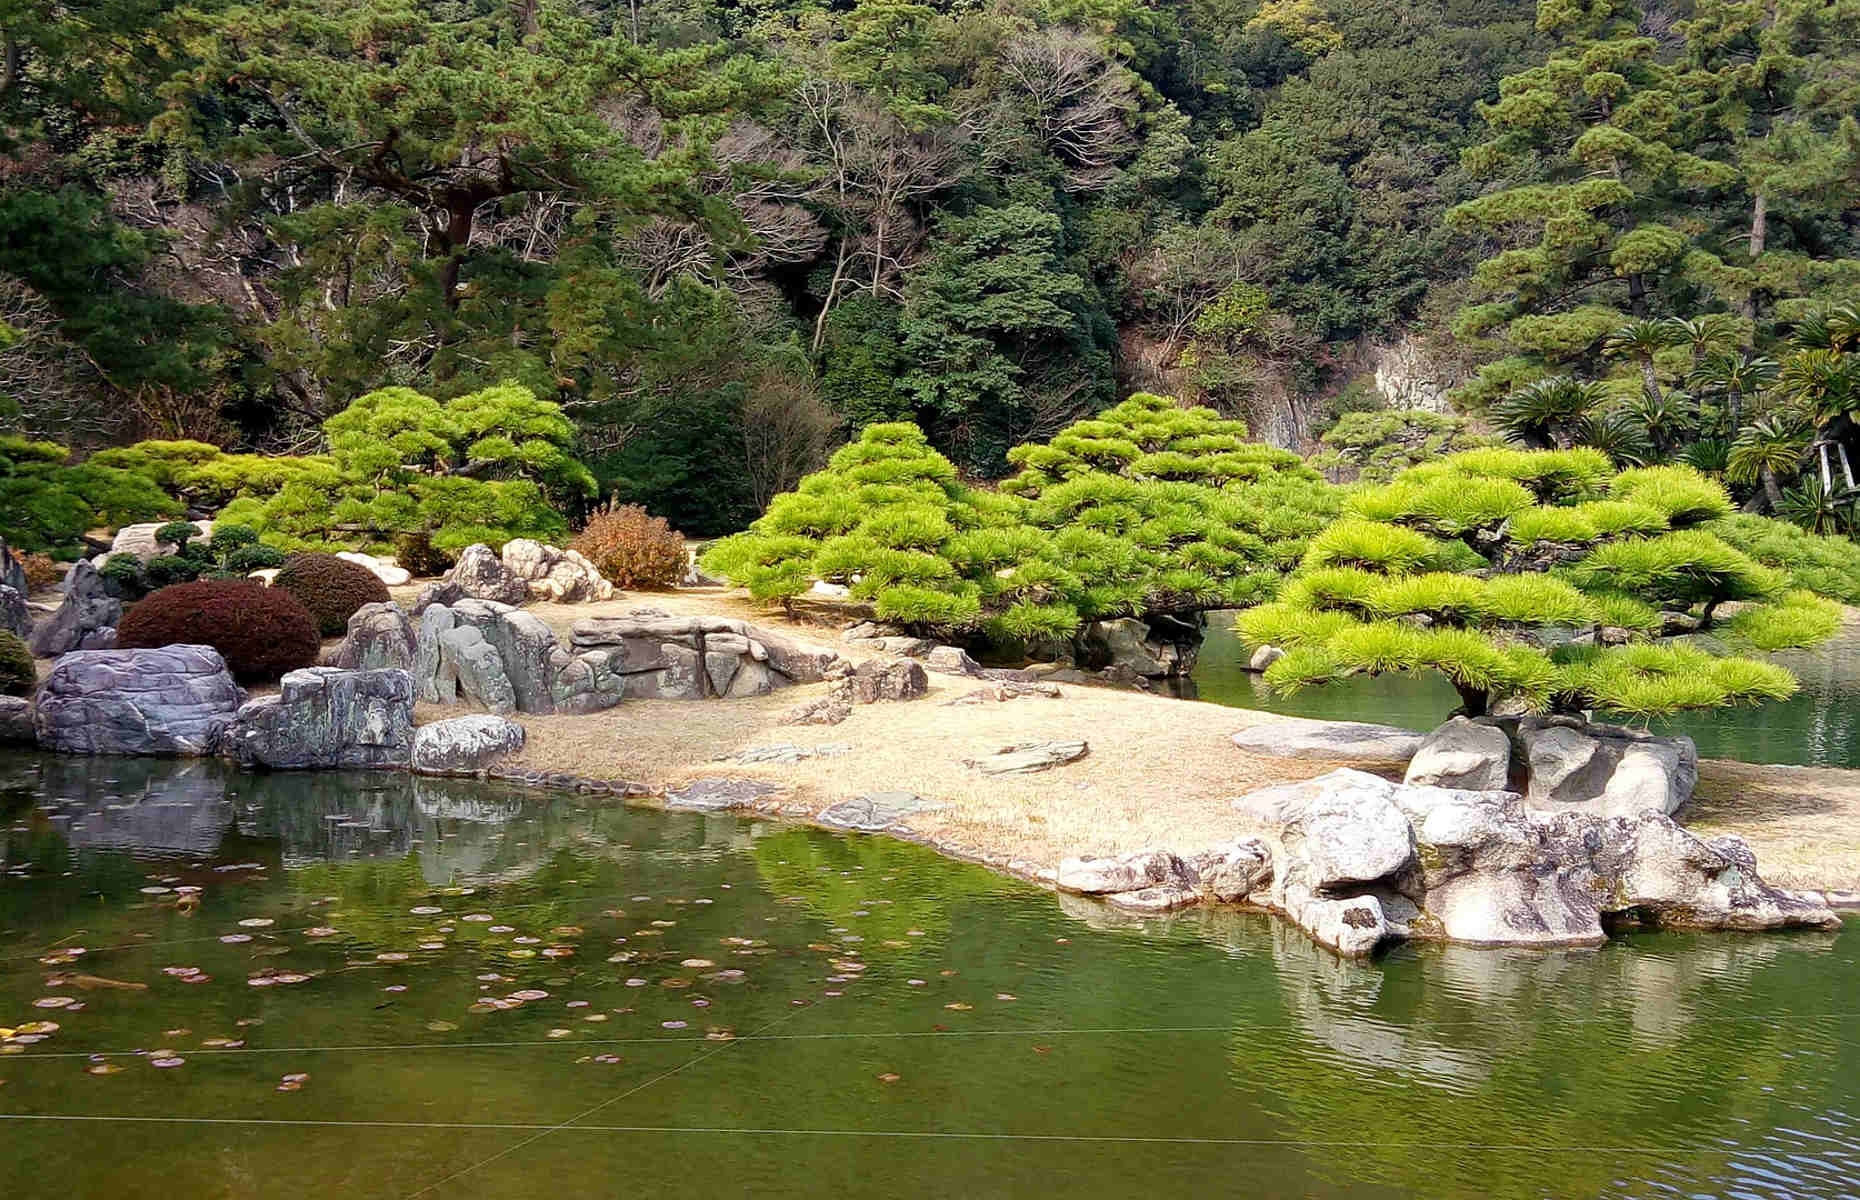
[[1817, 727], [232, 985]]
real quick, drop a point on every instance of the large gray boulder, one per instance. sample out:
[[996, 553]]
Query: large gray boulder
[[551, 573], [173, 700], [1128, 645], [480, 652], [81, 621], [886, 679], [1089, 876], [139, 540], [1486, 869], [1463, 753], [480, 575], [1605, 770], [326, 717], [12, 570], [471, 671], [15, 617], [1335, 741], [16, 722], [464, 745], [380, 636]]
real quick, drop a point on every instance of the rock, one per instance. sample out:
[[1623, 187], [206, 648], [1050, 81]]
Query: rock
[[445, 592], [1264, 657], [139, 540], [525, 645], [1126, 873], [1486, 869], [751, 678], [464, 745], [264, 575], [1123, 642], [384, 569], [326, 717], [902, 647], [643, 631], [1341, 741], [951, 660], [480, 575], [819, 590], [787, 753], [471, 670], [13, 570], [172, 700], [1005, 691], [1463, 753], [16, 722], [379, 636], [1159, 899], [1233, 872], [562, 576], [876, 812], [828, 710], [15, 617], [1606, 770], [1027, 758], [718, 795], [87, 608], [887, 679]]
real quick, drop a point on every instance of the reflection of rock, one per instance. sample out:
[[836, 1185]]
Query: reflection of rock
[[1361, 860], [137, 804]]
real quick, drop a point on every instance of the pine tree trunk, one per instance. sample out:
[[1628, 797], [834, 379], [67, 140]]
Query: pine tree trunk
[[1759, 234], [1771, 490]]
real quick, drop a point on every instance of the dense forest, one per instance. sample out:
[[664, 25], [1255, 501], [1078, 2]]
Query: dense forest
[[723, 238]]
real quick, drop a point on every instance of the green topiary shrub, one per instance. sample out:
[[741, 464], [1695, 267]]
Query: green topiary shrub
[[229, 537], [165, 570], [261, 632], [331, 588], [177, 534], [18, 675], [632, 548], [255, 557], [1508, 573], [122, 576]]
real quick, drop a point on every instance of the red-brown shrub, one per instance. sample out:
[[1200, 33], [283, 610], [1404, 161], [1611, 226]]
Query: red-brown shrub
[[261, 632], [331, 588], [632, 548]]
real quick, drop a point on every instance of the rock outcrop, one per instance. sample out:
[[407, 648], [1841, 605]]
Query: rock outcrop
[[480, 652], [564, 576], [15, 617], [1161, 881], [85, 620], [1131, 645], [175, 700], [380, 636], [1027, 758], [12, 570], [1360, 861], [1338, 741], [1606, 770], [480, 575], [1463, 753], [464, 745], [326, 717], [386, 570], [16, 727]]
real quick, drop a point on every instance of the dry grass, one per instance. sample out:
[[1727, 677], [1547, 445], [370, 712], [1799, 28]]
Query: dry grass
[[1803, 822]]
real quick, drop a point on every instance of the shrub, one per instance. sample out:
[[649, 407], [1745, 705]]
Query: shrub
[[122, 576], [416, 553], [18, 675], [231, 537], [330, 588], [166, 569], [177, 534], [261, 632], [42, 570], [256, 557], [632, 548]]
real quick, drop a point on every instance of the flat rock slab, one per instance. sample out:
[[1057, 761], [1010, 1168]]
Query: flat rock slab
[[1344, 741], [876, 812], [785, 753], [718, 795], [1029, 757]]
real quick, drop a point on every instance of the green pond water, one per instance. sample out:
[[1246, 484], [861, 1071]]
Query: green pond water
[[364, 986], [1819, 726]]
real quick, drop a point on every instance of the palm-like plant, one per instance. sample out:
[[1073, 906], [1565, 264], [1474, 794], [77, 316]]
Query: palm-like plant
[[1640, 340], [1818, 510], [1824, 381], [1710, 455], [1836, 329], [1618, 435], [1666, 418], [1546, 414], [1771, 446], [1713, 333], [1736, 378]]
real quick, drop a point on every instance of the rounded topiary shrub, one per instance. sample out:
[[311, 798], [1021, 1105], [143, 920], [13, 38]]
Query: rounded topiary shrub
[[261, 632], [256, 557], [17, 675], [331, 588], [632, 548]]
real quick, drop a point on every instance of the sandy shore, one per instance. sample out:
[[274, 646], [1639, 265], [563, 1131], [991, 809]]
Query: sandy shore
[[1160, 771]]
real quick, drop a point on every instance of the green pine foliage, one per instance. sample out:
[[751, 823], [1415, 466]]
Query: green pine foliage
[[1148, 509], [1561, 606], [48, 503]]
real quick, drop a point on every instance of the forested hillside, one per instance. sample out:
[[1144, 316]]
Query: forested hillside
[[726, 237]]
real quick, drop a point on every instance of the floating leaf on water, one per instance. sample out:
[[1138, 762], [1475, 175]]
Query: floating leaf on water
[[477, 917], [959, 1006], [187, 889], [260, 981], [167, 1060], [395, 987], [832, 993], [182, 971], [663, 924], [37, 1027], [156, 890], [54, 1002], [521, 952], [319, 931], [675, 982], [493, 977], [58, 960], [561, 1033], [393, 956], [483, 1006], [288, 1086], [103, 1068], [1006, 996], [917, 982], [1063, 941], [697, 962], [425, 910], [946, 973], [503, 929], [1042, 1049], [441, 1026], [890, 1077], [290, 977], [914, 932], [607, 1058], [220, 1043], [558, 952], [893, 944], [257, 923], [636, 982], [233, 939], [432, 945], [673, 1024], [530, 994], [699, 1002], [197, 977], [242, 1022], [297, 1077], [568, 931], [595, 1017]]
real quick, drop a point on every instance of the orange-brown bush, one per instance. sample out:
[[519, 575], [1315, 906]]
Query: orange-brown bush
[[632, 548], [261, 632], [42, 570]]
